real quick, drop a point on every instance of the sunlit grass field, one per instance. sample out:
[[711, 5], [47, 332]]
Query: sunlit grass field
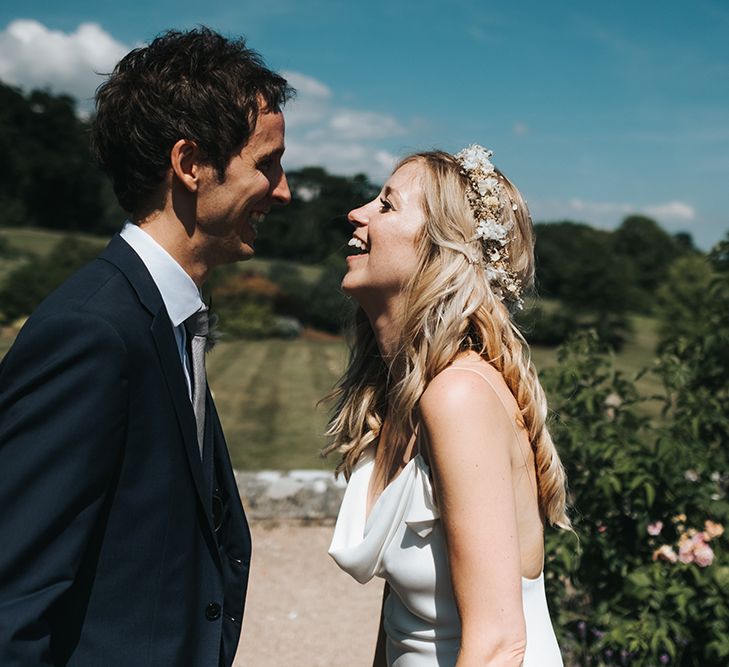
[[267, 391]]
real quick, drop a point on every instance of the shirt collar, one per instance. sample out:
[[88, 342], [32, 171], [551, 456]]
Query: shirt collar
[[179, 292]]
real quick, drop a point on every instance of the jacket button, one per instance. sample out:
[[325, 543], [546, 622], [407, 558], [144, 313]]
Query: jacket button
[[212, 611]]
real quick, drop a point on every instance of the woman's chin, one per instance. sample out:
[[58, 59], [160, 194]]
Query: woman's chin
[[347, 284], [352, 284]]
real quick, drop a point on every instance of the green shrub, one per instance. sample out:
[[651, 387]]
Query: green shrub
[[643, 490], [244, 304], [616, 601], [329, 308], [546, 327], [247, 319], [26, 286]]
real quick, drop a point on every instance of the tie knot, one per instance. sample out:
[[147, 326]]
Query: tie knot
[[197, 323]]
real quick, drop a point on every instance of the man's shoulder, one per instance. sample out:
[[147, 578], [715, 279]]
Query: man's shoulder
[[98, 292], [91, 288], [95, 307]]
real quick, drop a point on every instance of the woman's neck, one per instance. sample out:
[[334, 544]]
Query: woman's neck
[[386, 326]]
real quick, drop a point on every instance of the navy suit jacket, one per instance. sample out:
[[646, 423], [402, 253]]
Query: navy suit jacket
[[108, 550]]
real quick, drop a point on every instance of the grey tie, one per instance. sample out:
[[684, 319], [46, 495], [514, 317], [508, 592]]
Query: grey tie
[[197, 329]]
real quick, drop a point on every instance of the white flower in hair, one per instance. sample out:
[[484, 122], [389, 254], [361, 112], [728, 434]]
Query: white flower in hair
[[487, 199], [487, 185], [475, 157], [490, 230]]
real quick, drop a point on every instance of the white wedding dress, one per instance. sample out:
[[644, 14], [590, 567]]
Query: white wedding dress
[[402, 541]]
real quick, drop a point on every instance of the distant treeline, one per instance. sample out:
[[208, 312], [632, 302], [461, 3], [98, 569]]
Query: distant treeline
[[50, 179], [52, 182]]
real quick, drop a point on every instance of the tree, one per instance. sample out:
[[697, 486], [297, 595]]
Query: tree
[[51, 179], [686, 290], [651, 251], [314, 226], [576, 264]]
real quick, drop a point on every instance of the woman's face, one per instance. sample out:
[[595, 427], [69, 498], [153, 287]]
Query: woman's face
[[383, 246]]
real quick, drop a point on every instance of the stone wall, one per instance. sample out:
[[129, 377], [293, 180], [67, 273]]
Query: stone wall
[[294, 494]]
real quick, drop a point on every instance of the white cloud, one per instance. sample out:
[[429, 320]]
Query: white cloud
[[321, 131], [351, 124], [311, 103], [306, 85], [597, 209], [340, 157], [32, 56], [673, 210], [672, 215]]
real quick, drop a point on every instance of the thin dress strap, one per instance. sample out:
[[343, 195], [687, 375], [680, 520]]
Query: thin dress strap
[[506, 410], [493, 388]]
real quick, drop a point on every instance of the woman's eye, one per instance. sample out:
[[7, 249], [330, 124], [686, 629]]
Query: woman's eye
[[385, 205]]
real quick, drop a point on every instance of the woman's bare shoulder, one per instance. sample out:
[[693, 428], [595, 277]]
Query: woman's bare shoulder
[[467, 390]]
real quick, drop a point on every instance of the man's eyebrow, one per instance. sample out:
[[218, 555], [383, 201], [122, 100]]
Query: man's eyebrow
[[274, 152]]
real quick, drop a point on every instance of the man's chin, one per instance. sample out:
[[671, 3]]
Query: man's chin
[[246, 252], [242, 251], [231, 253]]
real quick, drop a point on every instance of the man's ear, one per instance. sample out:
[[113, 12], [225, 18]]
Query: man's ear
[[185, 165]]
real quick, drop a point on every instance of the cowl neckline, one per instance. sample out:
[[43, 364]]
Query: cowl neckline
[[359, 540]]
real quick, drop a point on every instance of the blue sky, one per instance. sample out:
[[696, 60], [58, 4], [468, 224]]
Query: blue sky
[[595, 110]]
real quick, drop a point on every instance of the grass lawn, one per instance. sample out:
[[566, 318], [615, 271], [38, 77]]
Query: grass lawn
[[266, 393]]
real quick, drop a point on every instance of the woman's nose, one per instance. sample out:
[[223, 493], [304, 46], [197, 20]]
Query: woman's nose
[[357, 216]]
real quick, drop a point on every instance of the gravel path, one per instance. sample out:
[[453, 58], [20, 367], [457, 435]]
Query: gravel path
[[301, 609]]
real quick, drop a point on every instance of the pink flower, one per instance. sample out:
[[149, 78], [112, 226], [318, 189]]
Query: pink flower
[[601, 528], [686, 549], [666, 553], [692, 547], [655, 528], [703, 554], [712, 529]]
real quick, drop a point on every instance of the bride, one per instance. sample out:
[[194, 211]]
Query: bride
[[440, 421]]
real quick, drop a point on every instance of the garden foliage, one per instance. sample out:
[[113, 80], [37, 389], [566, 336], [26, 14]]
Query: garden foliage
[[645, 580]]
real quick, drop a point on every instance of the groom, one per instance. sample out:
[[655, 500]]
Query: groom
[[122, 537]]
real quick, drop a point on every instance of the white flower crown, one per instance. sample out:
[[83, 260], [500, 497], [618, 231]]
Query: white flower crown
[[486, 196]]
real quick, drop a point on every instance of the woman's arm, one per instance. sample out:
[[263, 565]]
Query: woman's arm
[[470, 438], [380, 659]]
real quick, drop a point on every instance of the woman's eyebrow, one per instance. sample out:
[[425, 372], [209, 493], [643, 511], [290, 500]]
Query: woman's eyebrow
[[388, 191]]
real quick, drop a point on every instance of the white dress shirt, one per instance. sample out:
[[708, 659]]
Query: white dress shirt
[[179, 292]]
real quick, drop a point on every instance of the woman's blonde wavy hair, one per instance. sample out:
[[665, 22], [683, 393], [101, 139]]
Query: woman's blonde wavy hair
[[450, 308]]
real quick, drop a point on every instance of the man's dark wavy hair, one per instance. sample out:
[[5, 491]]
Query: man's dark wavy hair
[[195, 85]]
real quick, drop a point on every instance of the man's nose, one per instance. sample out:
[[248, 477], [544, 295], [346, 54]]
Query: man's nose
[[281, 192]]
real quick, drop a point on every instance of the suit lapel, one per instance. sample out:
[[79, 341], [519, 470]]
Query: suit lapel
[[166, 348], [121, 255]]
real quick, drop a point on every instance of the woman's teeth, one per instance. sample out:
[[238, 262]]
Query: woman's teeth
[[356, 243]]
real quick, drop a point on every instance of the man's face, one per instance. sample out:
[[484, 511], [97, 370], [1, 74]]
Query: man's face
[[228, 213]]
